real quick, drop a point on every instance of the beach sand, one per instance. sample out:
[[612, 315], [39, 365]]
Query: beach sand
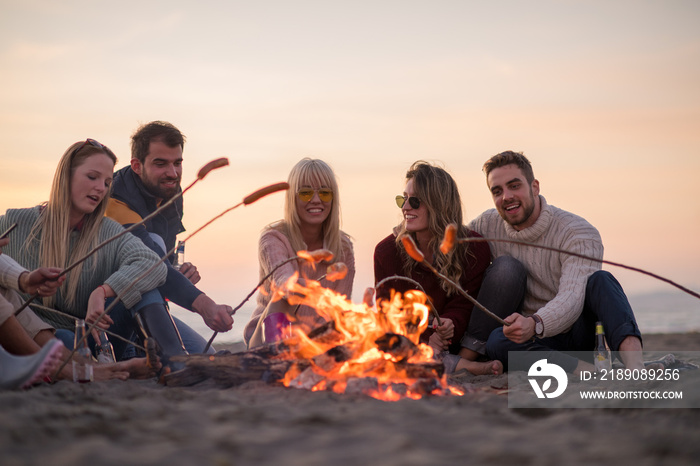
[[142, 422]]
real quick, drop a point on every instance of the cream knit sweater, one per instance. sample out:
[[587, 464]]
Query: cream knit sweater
[[556, 282]]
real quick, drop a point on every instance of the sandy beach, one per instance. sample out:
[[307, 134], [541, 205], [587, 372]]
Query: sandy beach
[[142, 422]]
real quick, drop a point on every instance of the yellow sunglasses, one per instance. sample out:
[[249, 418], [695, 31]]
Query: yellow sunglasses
[[326, 195]]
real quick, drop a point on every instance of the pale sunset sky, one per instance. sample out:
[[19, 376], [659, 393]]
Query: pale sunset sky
[[602, 96]]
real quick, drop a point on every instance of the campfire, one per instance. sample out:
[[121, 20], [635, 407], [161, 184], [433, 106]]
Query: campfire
[[373, 350]]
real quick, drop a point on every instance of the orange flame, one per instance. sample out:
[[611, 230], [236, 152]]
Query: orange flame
[[375, 351]]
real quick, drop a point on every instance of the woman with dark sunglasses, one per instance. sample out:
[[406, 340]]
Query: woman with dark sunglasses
[[68, 227], [311, 222], [430, 202]]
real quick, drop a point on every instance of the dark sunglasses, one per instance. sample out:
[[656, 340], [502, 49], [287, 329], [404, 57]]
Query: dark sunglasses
[[326, 195], [93, 143], [414, 202]]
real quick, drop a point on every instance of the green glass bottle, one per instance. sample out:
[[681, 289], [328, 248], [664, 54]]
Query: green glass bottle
[[601, 355]]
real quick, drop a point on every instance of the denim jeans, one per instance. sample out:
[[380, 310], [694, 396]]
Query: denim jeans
[[126, 327], [605, 302], [502, 292]]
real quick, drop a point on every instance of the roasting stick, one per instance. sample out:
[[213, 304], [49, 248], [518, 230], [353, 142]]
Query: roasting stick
[[315, 256], [582, 256], [418, 286], [110, 333], [251, 198], [418, 256], [204, 171]]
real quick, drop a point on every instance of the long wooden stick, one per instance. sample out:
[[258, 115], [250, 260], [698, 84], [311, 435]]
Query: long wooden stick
[[417, 285], [204, 171], [582, 256], [418, 256], [108, 332], [314, 256]]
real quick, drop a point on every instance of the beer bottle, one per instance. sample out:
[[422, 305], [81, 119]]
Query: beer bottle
[[82, 359], [601, 355], [179, 255], [104, 349]]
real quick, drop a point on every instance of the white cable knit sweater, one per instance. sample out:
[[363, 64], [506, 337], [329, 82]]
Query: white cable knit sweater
[[556, 282]]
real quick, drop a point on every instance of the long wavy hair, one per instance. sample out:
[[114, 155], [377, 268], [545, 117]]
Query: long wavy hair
[[53, 225], [312, 172], [438, 191]]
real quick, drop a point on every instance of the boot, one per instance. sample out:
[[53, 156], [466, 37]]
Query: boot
[[156, 323]]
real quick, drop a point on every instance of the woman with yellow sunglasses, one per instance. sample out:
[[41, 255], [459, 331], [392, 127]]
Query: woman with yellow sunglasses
[[311, 222]]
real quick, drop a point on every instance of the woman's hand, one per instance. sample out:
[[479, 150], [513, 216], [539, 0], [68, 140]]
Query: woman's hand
[[96, 307], [437, 343], [42, 281], [446, 330], [441, 338]]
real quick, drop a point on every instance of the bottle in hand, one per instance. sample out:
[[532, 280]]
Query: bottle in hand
[[179, 255]]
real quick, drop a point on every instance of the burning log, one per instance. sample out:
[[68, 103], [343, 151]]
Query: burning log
[[335, 356], [228, 370], [308, 379], [362, 386], [398, 346]]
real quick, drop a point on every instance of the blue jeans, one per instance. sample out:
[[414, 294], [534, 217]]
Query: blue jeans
[[605, 302], [126, 327], [502, 292]]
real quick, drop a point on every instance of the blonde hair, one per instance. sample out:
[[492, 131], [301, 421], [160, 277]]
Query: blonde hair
[[312, 172], [438, 191], [53, 225]]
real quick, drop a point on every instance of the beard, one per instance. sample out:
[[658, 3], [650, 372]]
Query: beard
[[159, 191], [527, 210]]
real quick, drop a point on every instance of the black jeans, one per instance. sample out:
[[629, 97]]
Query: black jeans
[[605, 302], [502, 292]]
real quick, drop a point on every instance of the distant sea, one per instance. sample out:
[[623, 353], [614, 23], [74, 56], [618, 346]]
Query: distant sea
[[659, 312]]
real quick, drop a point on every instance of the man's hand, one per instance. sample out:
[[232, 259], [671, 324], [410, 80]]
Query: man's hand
[[190, 272], [521, 328], [43, 281], [216, 316], [4, 242]]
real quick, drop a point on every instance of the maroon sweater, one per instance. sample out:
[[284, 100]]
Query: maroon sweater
[[388, 262]]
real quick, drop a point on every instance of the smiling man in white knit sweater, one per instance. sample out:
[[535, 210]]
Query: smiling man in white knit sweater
[[565, 295]]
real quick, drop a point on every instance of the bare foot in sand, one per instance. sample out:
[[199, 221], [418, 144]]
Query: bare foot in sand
[[480, 368], [104, 372], [138, 368]]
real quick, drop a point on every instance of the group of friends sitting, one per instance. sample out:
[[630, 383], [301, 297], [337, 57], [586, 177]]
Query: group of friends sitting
[[550, 300]]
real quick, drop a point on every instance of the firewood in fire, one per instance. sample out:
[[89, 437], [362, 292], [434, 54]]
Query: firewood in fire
[[426, 386], [308, 379], [400, 347], [334, 356], [361, 385]]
